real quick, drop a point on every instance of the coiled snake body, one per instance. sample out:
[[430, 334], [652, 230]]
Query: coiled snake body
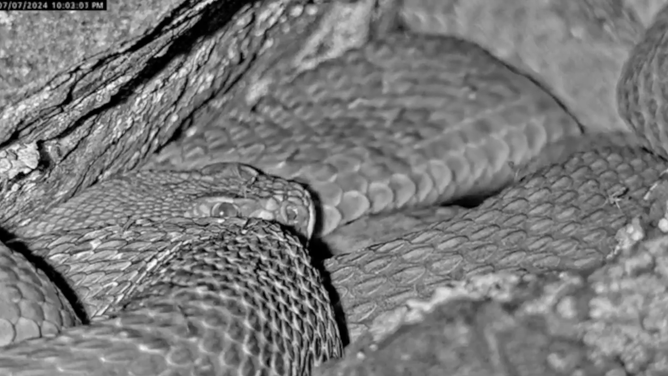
[[179, 284]]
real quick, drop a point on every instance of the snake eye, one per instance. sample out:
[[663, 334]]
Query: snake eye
[[224, 209]]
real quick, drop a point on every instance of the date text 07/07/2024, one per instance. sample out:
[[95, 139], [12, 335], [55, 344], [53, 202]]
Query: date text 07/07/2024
[[52, 5]]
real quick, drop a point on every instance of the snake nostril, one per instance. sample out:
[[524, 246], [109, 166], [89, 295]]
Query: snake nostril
[[291, 213]]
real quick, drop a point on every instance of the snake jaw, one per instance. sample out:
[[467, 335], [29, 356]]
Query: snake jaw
[[311, 219]]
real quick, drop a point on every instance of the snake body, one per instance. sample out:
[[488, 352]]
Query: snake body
[[560, 218], [197, 312], [160, 261], [182, 285], [410, 121]]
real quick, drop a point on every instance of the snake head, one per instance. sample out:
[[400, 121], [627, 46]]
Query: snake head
[[290, 211]]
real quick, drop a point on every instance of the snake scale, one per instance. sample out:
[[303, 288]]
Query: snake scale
[[205, 272]]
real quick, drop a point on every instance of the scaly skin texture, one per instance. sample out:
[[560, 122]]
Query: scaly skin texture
[[403, 122], [383, 228], [198, 312], [642, 87], [95, 275], [577, 48], [140, 249], [32, 306], [219, 190], [561, 218], [609, 322]]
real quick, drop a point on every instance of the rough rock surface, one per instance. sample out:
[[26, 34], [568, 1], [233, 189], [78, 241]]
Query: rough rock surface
[[107, 113], [35, 46]]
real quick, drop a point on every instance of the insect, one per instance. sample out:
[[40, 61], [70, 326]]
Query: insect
[[616, 195]]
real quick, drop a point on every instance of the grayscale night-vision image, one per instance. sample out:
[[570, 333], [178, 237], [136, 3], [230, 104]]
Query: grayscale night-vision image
[[334, 188]]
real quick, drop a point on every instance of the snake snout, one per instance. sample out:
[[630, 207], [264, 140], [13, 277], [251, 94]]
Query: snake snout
[[298, 215]]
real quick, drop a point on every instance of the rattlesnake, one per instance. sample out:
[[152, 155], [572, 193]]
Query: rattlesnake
[[556, 218]]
